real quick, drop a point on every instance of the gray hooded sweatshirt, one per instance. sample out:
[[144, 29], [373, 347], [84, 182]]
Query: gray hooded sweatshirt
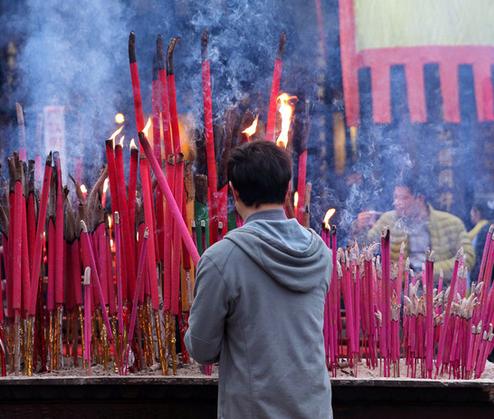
[[258, 309]]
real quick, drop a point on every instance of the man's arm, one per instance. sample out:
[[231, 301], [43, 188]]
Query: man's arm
[[207, 315]]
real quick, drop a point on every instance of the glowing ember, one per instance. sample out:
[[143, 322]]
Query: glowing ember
[[329, 214], [132, 144], [286, 105], [119, 118], [110, 221], [105, 185], [295, 199], [251, 129], [114, 135], [147, 128], [84, 189]]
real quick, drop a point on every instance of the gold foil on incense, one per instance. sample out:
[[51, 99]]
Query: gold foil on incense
[[142, 328], [59, 337], [51, 354], [164, 364], [29, 347], [148, 321], [117, 364], [173, 341]]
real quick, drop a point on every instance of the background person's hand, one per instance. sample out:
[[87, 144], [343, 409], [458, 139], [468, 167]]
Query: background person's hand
[[366, 219]]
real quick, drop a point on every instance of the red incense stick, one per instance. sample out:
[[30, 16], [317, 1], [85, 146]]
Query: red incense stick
[[91, 262], [275, 88], [140, 273], [163, 185], [87, 317], [59, 227], [209, 136]]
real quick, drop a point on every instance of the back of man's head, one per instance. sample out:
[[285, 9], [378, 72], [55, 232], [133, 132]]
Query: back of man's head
[[260, 172]]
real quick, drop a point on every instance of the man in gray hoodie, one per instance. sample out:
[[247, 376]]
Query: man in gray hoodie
[[259, 300]]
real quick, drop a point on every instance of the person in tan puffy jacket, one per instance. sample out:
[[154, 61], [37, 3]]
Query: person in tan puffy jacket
[[421, 227]]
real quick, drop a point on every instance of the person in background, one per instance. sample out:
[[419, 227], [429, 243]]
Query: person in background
[[259, 303], [480, 215], [421, 227]]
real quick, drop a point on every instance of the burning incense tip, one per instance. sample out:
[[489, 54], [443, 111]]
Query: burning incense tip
[[146, 129], [281, 44], [83, 189], [251, 129], [105, 185], [169, 57], [295, 199], [204, 44], [87, 276], [132, 47], [113, 136], [133, 144], [119, 118], [83, 226], [327, 217]]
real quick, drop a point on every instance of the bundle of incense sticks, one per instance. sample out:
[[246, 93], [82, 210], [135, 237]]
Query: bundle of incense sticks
[[139, 242], [439, 332]]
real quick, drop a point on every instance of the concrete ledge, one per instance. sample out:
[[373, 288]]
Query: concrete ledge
[[195, 397]]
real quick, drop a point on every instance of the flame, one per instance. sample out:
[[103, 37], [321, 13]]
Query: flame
[[132, 144], [147, 128], [285, 108], [105, 185], [329, 214], [295, 199], [119, 118], [110, 221], [83, 189], [251, 129], [114, 135]]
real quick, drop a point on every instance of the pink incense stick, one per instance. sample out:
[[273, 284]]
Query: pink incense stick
[[87, 317], [163, 185], [444, 328], [89, 253], [118, 244], [140, 274], [429, 280]]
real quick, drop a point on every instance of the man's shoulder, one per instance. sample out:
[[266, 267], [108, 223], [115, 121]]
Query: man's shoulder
[[219, 253]]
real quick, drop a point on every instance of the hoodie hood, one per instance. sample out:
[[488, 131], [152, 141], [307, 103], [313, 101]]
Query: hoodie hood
[[290, 254]]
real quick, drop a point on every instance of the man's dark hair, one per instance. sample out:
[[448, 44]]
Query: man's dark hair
[[260, 171], [415, 184], [483, 207]]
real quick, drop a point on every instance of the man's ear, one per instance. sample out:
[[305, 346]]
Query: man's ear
[[234, 192]]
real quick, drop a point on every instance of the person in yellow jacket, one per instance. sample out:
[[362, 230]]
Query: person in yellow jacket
[[421, 227]]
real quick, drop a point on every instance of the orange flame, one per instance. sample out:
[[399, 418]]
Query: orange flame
[[110, 221], [251, 129], [286, 105], [329, 214], [295, 199], [147, 128], [114, 135]]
